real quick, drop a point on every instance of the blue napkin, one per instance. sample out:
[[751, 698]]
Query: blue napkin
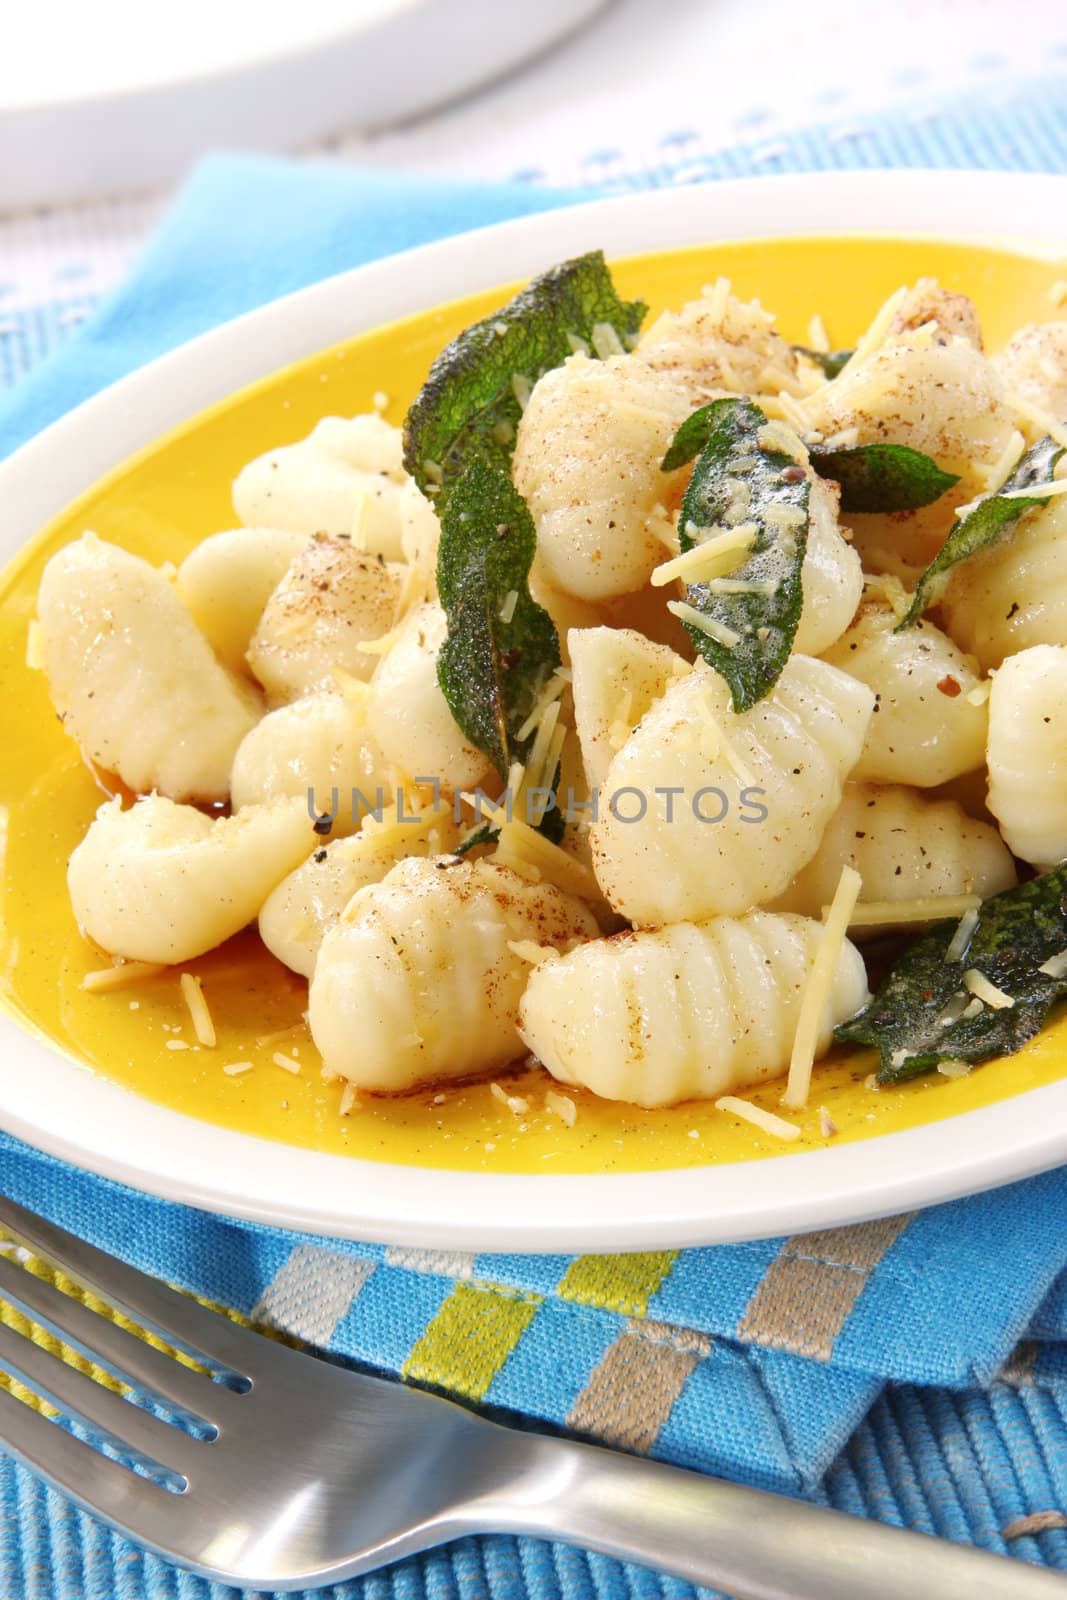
[[810, 1390]]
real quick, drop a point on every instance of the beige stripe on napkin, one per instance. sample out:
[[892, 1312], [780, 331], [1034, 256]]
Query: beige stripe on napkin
[[633, 1389], [311, 1292], [805, 1296]]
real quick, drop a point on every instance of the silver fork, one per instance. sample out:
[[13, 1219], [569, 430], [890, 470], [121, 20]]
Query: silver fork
[[274, 1470]]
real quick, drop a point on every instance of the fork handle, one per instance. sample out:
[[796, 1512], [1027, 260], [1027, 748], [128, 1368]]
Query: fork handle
[[750, 1543]]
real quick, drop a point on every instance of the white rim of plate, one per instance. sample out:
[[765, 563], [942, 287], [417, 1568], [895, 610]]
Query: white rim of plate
[[64, 1108]]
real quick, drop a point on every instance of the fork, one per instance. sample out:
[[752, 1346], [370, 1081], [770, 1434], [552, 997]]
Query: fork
[[270, 1469]]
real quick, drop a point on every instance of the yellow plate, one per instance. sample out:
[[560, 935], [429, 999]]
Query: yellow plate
[[165, 499]]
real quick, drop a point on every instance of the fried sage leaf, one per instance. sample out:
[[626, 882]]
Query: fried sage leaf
[[501, 647], [929, 1008], [469, 407], [829, 362], [743, 622], [882, 477], [988, 520]]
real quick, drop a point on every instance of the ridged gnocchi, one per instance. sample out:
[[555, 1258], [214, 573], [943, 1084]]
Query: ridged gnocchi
[[164, 882], [407, 714], [418, 981], [133, 679], [926, 728], [227, 579], [688, 1012], [618, 676], [831, 577], [587, 462], [318, 749], [752, 793], [296, 915], [332, 600], [905, 847], [344, 479], [1028, 753]]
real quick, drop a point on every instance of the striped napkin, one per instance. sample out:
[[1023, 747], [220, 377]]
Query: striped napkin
[[913, 1369]]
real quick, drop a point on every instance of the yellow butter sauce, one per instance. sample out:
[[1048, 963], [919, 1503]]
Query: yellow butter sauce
[[167, 498]]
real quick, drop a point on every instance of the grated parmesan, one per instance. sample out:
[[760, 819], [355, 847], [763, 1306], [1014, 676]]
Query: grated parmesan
[[713, 557], [711, 626], [1038, 418], [193, 995], [286, 1063], [1055, 966], [980, 693], [514, 1102], [34, 646], [507, 610], [1037, 491], [529, 950], [924, 908], [563, 1106], [817, 990], [953, 1067], [980, 986], [234, 1069], [818, 338], [748, 1112], [962, 936], [606, 341], [121, 976], [521, 388], [177, 1044], [1004, 463], [350, 1100]]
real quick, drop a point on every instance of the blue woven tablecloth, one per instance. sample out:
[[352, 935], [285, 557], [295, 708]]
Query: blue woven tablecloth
[[914, 1370]]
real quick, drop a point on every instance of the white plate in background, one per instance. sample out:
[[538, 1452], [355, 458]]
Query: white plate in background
[[117, 96]]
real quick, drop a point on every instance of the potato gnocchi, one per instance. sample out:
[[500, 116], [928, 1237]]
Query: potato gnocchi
[[625, 777]]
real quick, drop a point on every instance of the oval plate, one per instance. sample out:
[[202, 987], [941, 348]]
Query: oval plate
[[53, 1101]]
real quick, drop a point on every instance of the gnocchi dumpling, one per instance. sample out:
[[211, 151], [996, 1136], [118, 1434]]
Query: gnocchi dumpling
[[226, 581], [618, 675], [687, 1012], [1028, 753], [719, 344], [942, 398], [1034, 367], [318, 749], [164, 882], [332, 599], [345, 478], [831, 578], [709, 813], [587, 462], [419, 980], [408, 715], [905, 847], [296, 915], [926, 728], [133, 679], [1013, 594]]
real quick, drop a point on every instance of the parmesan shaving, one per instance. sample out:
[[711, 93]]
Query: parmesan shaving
[[1058, 293], [817, 990], [713, 557], [579, 346], [980, 693], [776, 436], [563, 1106], [818, 338], [953, 1067], [764, 586], [522, 389], [1039, 419], [1004, 463], [193, 995], [120, 977], [529, 950], [962, 936], [778, 1127], [514, 1102], [507, 610], [1037, 491], [34, 646], [1055, 966], [714, 629], [234, 1069], [980, 986], [286, 1063], [875, 334], [606, 341], [380, 646], [177, 1044], [924, 908], [520, 844], [350, 1100], [551, 692]]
